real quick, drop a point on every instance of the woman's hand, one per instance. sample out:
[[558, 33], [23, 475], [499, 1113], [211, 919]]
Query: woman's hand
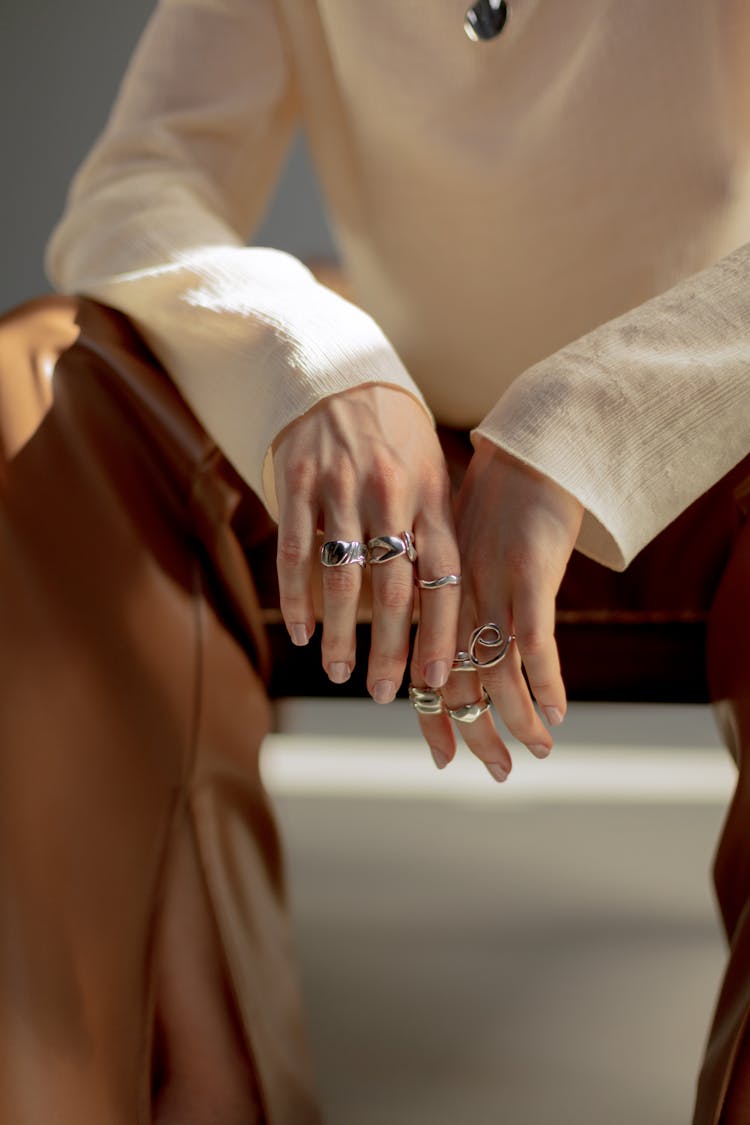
[[365, 463], [516, 531]]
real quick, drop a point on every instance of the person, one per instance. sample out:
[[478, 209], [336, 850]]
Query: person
[[547, 230]]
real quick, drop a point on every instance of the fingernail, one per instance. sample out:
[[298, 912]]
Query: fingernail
[[540, 751], [498, 772], [339, 673], [436, 673], [383, 691], [439, 757], [298, 633], [554, 716]]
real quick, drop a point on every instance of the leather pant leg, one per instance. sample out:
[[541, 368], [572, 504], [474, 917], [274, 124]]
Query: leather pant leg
[[130, 707], [724, 1084]]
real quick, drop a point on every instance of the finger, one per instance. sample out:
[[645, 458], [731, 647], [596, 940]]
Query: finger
[[294, 560], [437, 729], [438, 607], [509, 693], [481, 736], [438, 733], [341, 587], [392, 606], [534, 627]]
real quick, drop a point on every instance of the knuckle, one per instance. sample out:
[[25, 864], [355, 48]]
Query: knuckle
[[292, 607], [395, 593], [532, 640], [545, 691], [337, 646], [435, 487], [291, 553], [341, 477], [520, 560], [387, 663], [340, 581], [386, 479], [301, 474]]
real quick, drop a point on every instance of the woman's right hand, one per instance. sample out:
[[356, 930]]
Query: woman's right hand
[[363, 463]]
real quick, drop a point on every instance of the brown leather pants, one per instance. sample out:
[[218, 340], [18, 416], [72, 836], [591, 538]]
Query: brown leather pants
[[132, 712], [131, 719]]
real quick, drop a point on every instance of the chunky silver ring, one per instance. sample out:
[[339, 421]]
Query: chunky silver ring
[[384, 548], [426, 701], [438, 583], [462, 662], [489, 636], [470, 712], [342, 552]]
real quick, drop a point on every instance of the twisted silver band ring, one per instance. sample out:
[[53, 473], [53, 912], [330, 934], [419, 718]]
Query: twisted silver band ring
[[426, 701], [489, 636], [438, 583], [470, 712], [385, 548], [342, 552]]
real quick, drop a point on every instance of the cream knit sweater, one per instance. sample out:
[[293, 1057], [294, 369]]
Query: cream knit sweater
[[549, 232]]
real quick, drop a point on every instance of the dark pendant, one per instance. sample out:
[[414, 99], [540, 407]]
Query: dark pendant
[[485, 19]]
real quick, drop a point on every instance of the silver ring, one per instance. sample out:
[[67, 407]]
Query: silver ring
[[438, 583], [342, 552], [384, 548], [462, 662], [470, 712], [490, 636], [426, 701]]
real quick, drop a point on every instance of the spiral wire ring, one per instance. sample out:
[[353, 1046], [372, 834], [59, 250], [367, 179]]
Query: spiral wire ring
[[489, 636]]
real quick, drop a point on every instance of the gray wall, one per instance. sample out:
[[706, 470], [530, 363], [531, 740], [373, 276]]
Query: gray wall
[[60, 65]]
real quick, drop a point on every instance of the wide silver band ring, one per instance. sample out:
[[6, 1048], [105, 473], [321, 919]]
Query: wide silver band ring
[[438, 583], [489, 636], [470, 712], [343, 552], [425, 701], [385, 548]]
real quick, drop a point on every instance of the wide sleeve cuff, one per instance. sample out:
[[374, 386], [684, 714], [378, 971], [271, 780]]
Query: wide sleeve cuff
[[644, 414], [253, 342]]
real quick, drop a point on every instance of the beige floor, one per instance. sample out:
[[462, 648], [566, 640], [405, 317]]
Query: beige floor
[[539, 956]]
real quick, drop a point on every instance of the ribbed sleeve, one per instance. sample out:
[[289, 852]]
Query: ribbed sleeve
[[157, 218], [642, 415]]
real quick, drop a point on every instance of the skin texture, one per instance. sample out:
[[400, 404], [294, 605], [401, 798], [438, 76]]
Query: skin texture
[[367, 462]]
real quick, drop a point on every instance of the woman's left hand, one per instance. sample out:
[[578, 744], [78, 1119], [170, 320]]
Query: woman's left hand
[[516, 532]]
